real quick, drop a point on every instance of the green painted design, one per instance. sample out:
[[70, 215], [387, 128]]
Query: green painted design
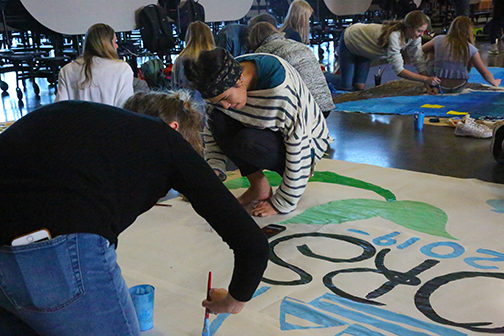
[[330, 177], [416, 216], [322, 176], [273, 178], [413, 215]]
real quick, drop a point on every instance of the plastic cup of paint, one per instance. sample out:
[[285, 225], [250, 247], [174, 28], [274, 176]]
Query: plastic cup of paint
[[143, 300], [419, 119], [377, 80]]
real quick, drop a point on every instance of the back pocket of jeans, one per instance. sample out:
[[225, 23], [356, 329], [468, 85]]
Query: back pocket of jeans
[[44, 278]]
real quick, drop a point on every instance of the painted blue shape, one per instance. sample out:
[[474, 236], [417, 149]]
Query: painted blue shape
[[303, 311], [359, 330], [476, 103], [358, 231], [364, 313], [387, 239], [206, 328], [497, 204], [407, 243], [475, 76], [458, 250], [472, 260], [217, 322]]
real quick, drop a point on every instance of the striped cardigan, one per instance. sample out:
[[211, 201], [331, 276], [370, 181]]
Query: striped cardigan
[[291, 109]]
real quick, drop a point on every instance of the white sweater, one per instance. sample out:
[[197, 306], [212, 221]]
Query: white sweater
[[362, 40], [112, 82]]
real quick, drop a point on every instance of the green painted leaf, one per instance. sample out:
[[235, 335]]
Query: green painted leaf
[[319, 176], [330, 177], [413, 215], [416, 216], [273, 178]]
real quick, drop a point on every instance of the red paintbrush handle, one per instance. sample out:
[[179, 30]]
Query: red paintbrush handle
[[207, 311]]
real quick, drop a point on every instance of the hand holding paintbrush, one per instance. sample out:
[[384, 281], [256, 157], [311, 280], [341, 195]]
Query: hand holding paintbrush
[[219, 301]]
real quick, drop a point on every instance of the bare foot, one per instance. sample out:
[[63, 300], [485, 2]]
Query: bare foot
[[263, 209], [259, 190]]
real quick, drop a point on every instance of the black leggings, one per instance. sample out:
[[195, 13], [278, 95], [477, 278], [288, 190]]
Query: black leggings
[[250, 149], [496, 27]]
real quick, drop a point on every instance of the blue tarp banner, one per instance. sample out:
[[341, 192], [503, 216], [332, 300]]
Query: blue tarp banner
[[477, 103]]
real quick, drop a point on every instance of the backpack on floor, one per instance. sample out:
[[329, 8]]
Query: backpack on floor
[[156, 31], [189, 11], [153, 72]]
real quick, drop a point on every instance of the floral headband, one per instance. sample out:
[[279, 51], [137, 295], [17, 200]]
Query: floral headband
[[230, 72]]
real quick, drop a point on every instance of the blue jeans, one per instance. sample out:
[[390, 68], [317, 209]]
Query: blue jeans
[[496, 27], [353, 69], [69, 285]]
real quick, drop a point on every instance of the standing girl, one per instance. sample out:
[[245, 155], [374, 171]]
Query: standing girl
[[496, 27]]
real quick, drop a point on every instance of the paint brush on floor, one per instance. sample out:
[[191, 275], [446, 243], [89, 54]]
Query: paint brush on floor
[[206, 324]]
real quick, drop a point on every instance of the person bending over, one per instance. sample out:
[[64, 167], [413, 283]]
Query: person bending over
[[85, 171], [362, 43], [176, 108], [262, 117], [265, 38]]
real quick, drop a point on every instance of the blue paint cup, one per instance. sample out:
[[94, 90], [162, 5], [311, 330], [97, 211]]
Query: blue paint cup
[[419, 118], [143, 300]]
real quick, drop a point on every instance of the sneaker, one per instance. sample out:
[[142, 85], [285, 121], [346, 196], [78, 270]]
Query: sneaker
[[469, 128], [497, 142], [494, 50]]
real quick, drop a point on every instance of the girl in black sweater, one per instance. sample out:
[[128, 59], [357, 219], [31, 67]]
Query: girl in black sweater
[[85, 171]]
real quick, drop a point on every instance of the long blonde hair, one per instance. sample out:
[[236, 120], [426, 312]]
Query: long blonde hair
[[97, 42], [198, 37], [459, 36], [171, 106], [414, 19], [298, 18]]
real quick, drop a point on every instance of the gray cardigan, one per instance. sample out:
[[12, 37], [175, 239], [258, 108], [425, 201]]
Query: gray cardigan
[[304, 61]]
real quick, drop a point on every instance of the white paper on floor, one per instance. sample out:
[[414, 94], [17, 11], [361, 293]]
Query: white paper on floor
[[369, 251]]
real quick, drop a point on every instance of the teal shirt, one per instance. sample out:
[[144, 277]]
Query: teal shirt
[[270, 72]]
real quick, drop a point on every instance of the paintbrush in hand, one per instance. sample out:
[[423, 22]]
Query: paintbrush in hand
[[206, 324]]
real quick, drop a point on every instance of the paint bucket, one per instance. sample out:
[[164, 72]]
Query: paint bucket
[[419, 119], [377, 79], [143, 300]]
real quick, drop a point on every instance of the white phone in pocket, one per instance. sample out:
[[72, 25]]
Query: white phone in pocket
[[32, 237]]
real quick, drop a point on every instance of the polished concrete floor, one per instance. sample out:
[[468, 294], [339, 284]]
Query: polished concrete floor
[[391, 140], [382, 140]]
